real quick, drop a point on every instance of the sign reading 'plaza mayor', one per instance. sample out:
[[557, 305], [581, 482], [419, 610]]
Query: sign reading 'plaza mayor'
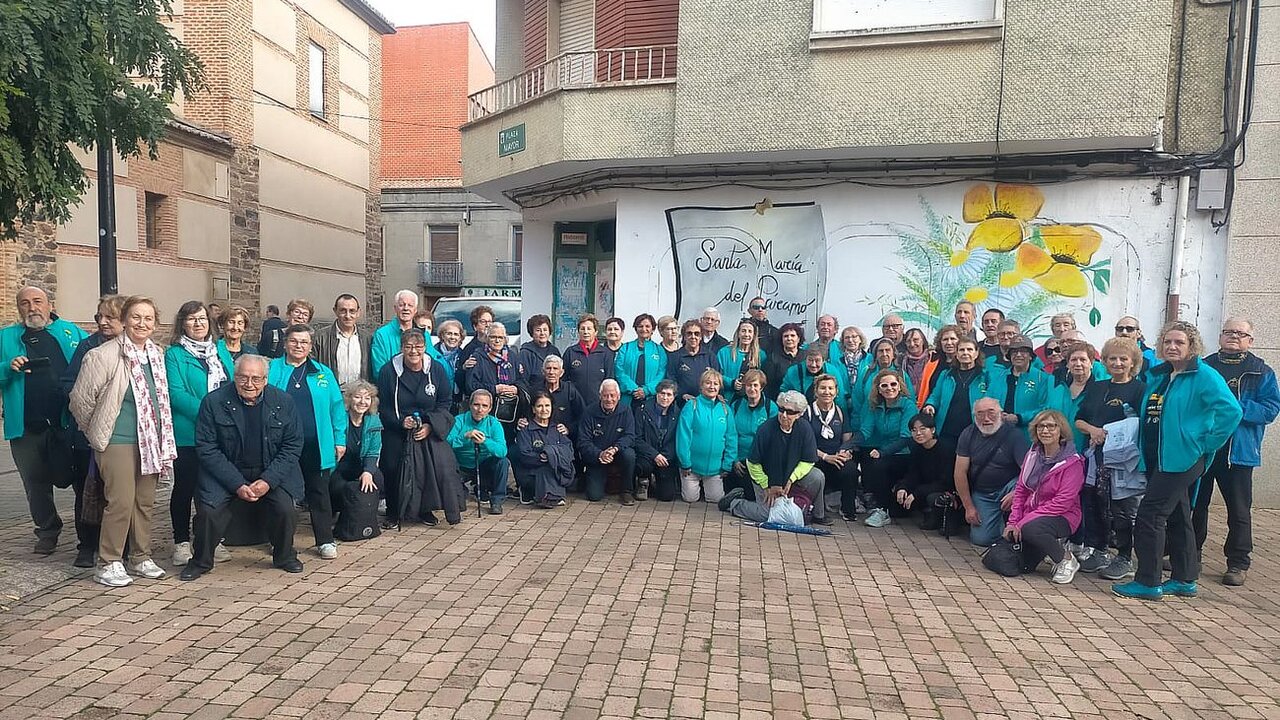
[[511, 140]]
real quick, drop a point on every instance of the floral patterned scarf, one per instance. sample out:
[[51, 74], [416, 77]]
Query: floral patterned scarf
[[156, 445]]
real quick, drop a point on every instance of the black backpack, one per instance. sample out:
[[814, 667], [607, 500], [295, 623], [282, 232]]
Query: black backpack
[[359, 518], [1005, 558]]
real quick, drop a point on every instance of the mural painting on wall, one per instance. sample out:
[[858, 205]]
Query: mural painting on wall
[[725, 257], [1001, 254], [1003, 250]]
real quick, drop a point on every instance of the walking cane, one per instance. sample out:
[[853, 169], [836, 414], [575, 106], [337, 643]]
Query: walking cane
[[475, 457]]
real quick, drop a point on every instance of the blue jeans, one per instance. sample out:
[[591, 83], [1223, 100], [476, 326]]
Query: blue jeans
[[492, 477], [991, 518]]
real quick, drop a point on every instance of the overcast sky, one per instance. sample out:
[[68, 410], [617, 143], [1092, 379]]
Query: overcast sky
[[480, 13]]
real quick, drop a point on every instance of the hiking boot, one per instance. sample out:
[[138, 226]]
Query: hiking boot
[[1095, 561], [1119, 569], [729, 497], [642, 490], [1234, 578], [628, 500], [1179, 588], [1065, 571], [1137, 591]]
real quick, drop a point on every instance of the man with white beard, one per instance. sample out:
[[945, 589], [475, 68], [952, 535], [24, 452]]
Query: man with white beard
[[988, 459]]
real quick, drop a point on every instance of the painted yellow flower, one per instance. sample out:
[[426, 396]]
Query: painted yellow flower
[[976, 294], [1057, 267], [1001, 215]]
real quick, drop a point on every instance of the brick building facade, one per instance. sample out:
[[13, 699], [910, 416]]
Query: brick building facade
[[266, 186]]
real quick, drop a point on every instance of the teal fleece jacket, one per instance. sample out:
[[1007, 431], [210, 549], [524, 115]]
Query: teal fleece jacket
[[944, 387], [885, 425], [1200, 414], [13, 385], [627, 361], [468, 453], [326, 402], [706, 437], [188, 384]]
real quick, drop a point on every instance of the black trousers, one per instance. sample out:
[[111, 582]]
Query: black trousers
[[880, 476], [186, 470], [741, 480], [389, 462], [666, 481], [844, 479], [1042, 537], [278, 514], [30, 455], [1094, 525], [319, 499], [1164, 522], [1236, 484], [624, 461]]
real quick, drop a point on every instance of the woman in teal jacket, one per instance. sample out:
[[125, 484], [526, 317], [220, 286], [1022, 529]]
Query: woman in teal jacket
[[801, 375], [883, 356], [359, 464], [195, 364], [627, 363], [739, 357], [1188, 415], [313, 387], [706, 441], [1067, 395], [882, 438], [1023, 391], [965, 380], [750, 410]]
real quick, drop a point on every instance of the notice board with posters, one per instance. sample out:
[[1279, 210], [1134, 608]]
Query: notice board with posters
[[571, 297]]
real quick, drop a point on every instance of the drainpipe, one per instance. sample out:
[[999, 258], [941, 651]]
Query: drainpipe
[[1179, 248]]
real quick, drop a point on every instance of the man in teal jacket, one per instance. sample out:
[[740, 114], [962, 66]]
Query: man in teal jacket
[[481, 449], [386, 339], [36, 352], [318, 398]]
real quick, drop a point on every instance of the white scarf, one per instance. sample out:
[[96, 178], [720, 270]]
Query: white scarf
[[156, 445], [207, 350]]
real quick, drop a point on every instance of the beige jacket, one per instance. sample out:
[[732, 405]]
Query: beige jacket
[[99, 392]]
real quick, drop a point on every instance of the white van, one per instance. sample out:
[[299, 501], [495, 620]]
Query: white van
[[506, 310]]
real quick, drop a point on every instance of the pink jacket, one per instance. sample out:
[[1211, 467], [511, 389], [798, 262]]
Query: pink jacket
[[1058, 494]]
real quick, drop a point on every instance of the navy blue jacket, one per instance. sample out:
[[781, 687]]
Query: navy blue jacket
[[485, 375], [600, 431], [686, 370], [652, 440], [1259, 398], [587, 370], [220, 438]]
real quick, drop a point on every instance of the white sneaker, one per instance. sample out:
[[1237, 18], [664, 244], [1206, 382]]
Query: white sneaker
[[112, 575], [181, 553], [328, 551], [149, 570], [1065, 571], [221, 553], [878, 518]]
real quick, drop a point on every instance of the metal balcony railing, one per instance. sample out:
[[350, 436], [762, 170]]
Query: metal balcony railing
[[508, 272], [440, 274], [592, 68]]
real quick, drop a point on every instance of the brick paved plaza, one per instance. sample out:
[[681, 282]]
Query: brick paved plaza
[[662, 610]]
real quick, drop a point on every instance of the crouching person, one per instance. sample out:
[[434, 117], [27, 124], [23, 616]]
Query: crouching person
[[249, 439], [656, 422], [1046, 499], [606, 438], [481, 449], [781, 463]]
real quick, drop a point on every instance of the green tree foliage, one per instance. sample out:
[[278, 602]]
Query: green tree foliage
[[69, 68]]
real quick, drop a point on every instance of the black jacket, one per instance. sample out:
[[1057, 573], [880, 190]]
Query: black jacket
[[271, 342], [776, 365], [219, 440], [686, 370], [587, 370], [652, 440]]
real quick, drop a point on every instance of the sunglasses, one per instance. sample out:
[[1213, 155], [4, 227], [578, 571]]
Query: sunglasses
[[1126, 328], [785, 411], [1052, 351], [757, 307], [885, 385]]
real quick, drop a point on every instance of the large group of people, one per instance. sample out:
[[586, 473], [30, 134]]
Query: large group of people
[[1097, 461]]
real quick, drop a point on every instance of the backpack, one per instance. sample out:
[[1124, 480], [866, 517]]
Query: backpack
[[1005, 558], [359, 518]]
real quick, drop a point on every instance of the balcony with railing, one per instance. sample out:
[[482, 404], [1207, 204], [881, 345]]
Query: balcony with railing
[[440, 274], [508, 272], [576, 70]]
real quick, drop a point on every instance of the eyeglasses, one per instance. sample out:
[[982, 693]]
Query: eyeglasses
[[1126, 328], [1235, 334], [693, 333], [1046, 426], [100, 317], [418, 348], [299, 342], [710, 320], [251, 379], [892, 326], [787, 411], [1053, 351]]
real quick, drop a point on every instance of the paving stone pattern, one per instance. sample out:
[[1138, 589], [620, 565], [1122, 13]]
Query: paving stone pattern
[[657, 611]]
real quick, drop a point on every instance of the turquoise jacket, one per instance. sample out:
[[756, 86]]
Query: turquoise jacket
[[730, 368], [628, 360], [1030, 392], [13, 385], [1200, 414], [747, 421], [386, 345], [326, 402], [860, 393], [188, 384], [370, 441], [1059, 398], [885, 425], [706, 437], [944, 387], [469, 454], [799, 379]]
